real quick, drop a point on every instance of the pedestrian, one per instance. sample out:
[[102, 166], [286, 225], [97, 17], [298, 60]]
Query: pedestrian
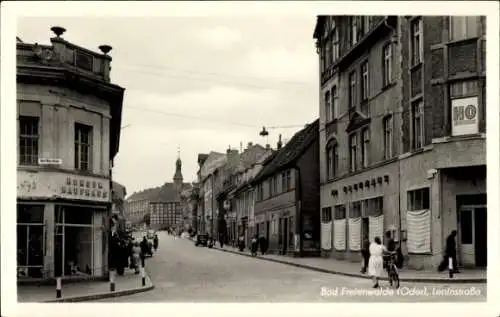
[[365, 253], [376, 262], [221, 240], [136, 256], [450, 253], [254, 245], [263, 245], [241, 243], [155, 242], [144, 250]]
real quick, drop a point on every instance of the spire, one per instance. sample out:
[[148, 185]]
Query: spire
[[178, 179]]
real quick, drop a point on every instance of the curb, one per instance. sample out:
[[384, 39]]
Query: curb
[[318, 269], [104, 295]]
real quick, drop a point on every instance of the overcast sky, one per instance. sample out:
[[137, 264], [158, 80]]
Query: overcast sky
[[198, 83]]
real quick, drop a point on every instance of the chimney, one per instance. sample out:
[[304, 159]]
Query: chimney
[[228, 150], [268, 147], [249, 145], [280, 144]]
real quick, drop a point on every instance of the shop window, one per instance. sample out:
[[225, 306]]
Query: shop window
[[76, 244], [28, 140], [418, 199], [355, 210], [326, 214], [30, 241], [340, 212]]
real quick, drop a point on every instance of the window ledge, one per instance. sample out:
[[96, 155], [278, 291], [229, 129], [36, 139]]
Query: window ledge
[[388, 86], [462, 41], [417, 65]]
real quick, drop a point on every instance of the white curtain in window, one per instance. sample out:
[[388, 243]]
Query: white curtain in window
[[355, 234], [376, 227], [419, 231], [339, 234], [326, 235]]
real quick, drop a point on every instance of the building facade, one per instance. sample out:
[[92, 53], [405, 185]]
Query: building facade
[[163, 205], [69, 116], [237, 197], [287, 196], [387, 142], [209, 180]]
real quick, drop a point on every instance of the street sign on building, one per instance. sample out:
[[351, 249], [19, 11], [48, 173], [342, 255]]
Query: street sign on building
[[49, 161]]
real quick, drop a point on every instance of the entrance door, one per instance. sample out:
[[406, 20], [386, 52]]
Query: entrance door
[[472, 236], [480, 237], [285, 235], [365, 228]]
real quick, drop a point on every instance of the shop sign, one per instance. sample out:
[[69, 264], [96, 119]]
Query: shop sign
[[465, 116], [57, 184], [84, 188]]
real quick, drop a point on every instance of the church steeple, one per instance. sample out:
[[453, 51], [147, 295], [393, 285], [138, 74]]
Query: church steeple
[[178, 179]]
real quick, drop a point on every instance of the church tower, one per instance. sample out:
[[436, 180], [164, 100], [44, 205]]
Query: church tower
[[178, 179]]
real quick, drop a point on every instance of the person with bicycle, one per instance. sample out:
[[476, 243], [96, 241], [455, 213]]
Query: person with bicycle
[[376, 262], [390, 246]]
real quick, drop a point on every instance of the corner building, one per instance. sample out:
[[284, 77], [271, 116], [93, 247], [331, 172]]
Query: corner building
[[69, 116], [394, 94]]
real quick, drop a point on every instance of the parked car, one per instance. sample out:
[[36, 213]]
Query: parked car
[[201, 240]]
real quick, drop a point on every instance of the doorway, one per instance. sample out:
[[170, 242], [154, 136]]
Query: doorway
[[365, 228], [473, 236], [285, 235], [267, 230]]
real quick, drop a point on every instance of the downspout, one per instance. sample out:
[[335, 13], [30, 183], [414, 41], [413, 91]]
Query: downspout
[[298, 191]]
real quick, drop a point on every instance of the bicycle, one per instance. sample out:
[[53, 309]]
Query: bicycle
[[392, 270]]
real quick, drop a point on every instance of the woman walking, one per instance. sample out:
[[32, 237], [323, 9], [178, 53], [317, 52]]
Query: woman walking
[[376, 262]]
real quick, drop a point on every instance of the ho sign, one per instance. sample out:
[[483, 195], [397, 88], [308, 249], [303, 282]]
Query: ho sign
[[465, 116]]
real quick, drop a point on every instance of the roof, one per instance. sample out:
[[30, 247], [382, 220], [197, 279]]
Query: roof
[[318, 29], [119, 191], [291, 152], [166, 192]]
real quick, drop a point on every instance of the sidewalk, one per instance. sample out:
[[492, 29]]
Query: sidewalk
[[127, 284], [352, 269]]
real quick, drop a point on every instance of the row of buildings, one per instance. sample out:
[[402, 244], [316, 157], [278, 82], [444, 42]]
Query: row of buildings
[[68, 133], [161, 207], [399, 147]]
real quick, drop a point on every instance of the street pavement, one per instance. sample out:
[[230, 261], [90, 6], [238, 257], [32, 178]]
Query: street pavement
[[182, 272]]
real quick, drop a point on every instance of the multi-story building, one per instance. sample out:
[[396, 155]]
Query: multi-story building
[[163, 204], [209, 180], [287, 196], [236, 199], [387, 141], [199, 196], [69, 116]]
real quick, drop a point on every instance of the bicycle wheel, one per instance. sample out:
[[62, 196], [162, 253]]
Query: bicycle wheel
[[395, 279]]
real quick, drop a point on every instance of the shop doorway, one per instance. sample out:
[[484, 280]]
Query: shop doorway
[[473, 236], [365, 228], [285, 235]]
